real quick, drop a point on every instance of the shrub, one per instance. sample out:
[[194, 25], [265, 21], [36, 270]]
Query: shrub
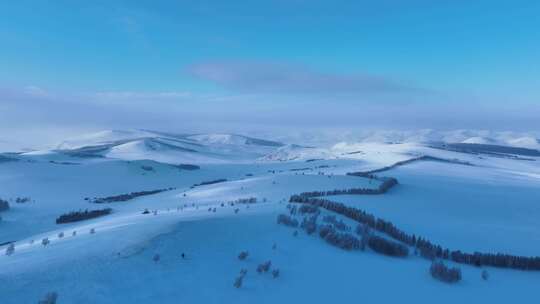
[[10, 249], [387, 247], [238, 281], [275, 273], [485, 275], [50, 298], [4, 205], [443, 273], [264, 267], [22, 200], [243, 255]]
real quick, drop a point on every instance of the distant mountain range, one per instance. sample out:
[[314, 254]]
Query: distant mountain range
[[226, 148]]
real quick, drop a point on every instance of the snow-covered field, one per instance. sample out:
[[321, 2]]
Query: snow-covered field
[[490, 205]]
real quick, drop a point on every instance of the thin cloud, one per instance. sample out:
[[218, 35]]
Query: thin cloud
[[278, 78]]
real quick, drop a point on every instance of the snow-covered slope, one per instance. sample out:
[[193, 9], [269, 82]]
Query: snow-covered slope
[[458, 199], [168, 147]]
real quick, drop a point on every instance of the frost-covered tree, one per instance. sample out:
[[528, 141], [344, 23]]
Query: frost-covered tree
[[45, 242]]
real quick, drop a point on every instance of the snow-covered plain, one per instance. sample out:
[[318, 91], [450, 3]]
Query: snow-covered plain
[[491, 205]]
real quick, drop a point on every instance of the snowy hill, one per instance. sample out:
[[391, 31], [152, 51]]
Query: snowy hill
[[168, 147]]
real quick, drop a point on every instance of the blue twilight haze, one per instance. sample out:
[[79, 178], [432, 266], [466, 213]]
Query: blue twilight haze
[[252, 65]]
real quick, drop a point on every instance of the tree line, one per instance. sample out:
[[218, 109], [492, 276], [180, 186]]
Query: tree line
[[126, 196], [383, 188], [427, 249], [76, 216]]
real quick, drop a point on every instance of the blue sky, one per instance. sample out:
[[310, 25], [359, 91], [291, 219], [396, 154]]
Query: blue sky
[[224, 60]]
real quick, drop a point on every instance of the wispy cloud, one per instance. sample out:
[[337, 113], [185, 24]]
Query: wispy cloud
[[279, 78]]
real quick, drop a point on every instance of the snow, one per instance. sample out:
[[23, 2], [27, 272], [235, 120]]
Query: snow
[[490, 205]]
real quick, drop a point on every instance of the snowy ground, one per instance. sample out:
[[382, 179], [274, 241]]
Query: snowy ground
[[491, 206]]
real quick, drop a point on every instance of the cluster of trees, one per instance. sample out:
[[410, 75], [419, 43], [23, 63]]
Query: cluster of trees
[[210, 182], [308, 209], [309, 223], [444, 273], [287, 220], [22, 200], [4, 205], [248, 200], [339, 239], [76, 216], [147, 168], [427, 249], [339, 225], [189, 167], [127, 196]]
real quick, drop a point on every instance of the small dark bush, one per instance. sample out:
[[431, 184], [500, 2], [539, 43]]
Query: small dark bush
[[243, 255], [485, 275], [264, 267]]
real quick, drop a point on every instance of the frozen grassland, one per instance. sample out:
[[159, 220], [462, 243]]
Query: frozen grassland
[[492, 206]]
